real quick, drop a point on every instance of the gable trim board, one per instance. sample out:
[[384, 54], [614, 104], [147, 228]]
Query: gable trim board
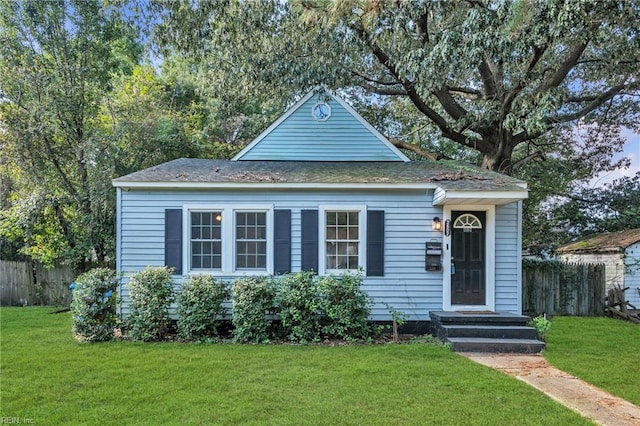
[[394, 154]]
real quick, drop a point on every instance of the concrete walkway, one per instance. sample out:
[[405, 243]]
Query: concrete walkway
[[588, 400]]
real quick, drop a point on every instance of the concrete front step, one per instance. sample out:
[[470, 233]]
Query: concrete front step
[[488, 331], [470, 318], [479, 344]]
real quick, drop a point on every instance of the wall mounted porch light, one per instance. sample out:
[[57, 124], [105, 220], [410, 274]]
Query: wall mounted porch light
[[436, 225]]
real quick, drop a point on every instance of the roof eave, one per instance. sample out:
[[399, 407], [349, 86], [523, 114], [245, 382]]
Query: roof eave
[[494, 197], [593, 250], [273, 185]]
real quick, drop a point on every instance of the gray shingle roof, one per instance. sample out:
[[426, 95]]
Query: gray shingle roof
[[445, 174]]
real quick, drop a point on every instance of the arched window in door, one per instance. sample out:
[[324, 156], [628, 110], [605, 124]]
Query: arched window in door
[[467, 221]]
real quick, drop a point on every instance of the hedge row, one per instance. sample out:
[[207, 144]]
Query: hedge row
[[298, 307]]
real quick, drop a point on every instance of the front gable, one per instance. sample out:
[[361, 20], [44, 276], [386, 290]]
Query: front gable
[[343, 135]]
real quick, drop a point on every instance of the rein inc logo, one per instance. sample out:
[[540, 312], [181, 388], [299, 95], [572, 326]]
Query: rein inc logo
[[16, 421]]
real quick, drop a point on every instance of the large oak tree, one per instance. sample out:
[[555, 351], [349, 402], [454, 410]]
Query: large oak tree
[[507, 79]]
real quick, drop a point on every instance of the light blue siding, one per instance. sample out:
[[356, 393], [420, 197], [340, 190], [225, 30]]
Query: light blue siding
[[341, 138], [508, 259], [408, 216], [632, 274]]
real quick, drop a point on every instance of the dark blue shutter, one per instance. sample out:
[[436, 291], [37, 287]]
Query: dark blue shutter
[[282, 240], [375, 243], [310, 240], [173, 239]]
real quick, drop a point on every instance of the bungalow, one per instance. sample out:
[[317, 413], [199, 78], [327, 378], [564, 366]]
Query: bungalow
[[322, 190], [620, 253]]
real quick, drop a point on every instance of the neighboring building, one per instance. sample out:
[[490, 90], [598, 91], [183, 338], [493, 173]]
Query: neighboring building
[[322, 190], [619, 251]]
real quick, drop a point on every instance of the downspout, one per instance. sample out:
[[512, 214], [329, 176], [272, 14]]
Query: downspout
[[519, 258], [119, 245]]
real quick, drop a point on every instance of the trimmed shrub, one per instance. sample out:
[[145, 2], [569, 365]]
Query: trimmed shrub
[[345, 307], [299, 304], [253, 299], [93, 306], [200, 307], [151, 294]]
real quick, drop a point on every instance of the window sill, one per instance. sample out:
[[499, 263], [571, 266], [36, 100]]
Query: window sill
[[238, 274]]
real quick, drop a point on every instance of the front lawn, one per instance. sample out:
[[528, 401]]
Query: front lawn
[[49, 378], [602, 351]]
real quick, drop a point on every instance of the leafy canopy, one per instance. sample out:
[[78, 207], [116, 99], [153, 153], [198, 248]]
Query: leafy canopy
[[491, 76]]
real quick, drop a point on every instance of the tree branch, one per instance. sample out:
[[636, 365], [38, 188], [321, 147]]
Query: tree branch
[[422, 28], [373, 80], [449, 104], [465, 92], [570, 61], [487, 80], [536, 155], [54, 160], [595, 103], [416, 149], [413, 95], [387, 91], [538, 51]]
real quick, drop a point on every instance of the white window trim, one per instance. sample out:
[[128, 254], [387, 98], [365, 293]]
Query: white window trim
[[362, 237], [490, 259], [228, 238]]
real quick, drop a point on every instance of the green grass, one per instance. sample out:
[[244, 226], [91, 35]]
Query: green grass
[[48, 377], [602, 351]]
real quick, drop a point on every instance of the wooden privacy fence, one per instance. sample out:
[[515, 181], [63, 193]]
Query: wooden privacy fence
[[28, 283], [558, 288]]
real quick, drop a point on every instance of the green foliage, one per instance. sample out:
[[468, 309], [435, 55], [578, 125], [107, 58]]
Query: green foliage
[[57, 63], [542, 326], [489, 76], [398, 319], [151, 294], [345, 307], [200, 307], [93, 307], [253, 304], [299, 307], [309, 308]]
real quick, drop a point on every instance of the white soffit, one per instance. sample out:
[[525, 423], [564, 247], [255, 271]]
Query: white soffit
[[443, 197]]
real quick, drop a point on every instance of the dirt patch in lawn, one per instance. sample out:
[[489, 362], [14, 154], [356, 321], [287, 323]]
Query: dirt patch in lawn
[[582, 397]]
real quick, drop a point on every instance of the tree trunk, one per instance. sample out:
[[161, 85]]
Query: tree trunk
[[498, 158]]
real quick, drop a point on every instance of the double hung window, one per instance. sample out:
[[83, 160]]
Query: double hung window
[[251, 241], [206, 240], [342, 240], [228, 240], [342, 245]]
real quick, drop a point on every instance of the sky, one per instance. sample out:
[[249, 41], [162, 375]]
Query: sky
[[631, 151]]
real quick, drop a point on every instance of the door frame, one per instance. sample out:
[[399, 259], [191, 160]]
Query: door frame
[[490, 258]]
